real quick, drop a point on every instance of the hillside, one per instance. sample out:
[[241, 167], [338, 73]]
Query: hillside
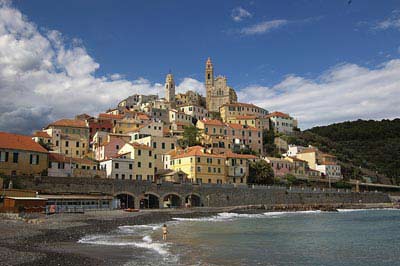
[[361, 146]]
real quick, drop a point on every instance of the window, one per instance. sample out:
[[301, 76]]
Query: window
[[219, 170], [198, 169], [117, 147], [139, 152], [3, 156], [209, 180], [139, 164], [209, 169], [15, 157], [56, 142], [66, 151], [77, 144], [34, 159], [154, 145], [77, 152], [130, 177], [123, 176], [163, 145], [130, 166], [116, 176], [150, 165], [150, 153], [198, 159], [116, 165], [66, 143]]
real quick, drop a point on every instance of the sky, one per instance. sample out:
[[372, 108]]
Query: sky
[[321, 61]]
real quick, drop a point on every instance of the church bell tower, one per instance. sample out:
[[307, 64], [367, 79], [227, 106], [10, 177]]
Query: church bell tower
[[209, 81], [170, 88]]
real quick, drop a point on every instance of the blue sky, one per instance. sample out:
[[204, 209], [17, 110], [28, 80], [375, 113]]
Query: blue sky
[[147, 38], [282, 55]]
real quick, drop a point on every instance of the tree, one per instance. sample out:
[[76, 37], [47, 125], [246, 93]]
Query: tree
[[191, 136], [260, 173], [47, 146]]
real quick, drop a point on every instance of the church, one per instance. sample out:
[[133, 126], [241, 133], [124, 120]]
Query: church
[[218, 92]]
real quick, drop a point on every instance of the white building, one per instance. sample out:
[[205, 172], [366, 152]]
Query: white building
[[179, 117], [281, 122], [118, 168], [195, 111], [293, 150], [332, 171], [154, 128]]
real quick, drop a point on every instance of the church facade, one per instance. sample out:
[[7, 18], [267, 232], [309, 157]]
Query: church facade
[[218, 92]]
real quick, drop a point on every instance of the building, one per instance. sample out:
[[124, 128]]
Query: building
[[160, 146], [238, 166], [294, 149], [218, 92], [168, 175], [43, 138], [136, 100], [120, 167], [143, 160], [63, 166], [69, 137], [190, 98], [300, 167], [195, 111], [261, 123], [21, 155], [110, 148], [230, 111], [200, 165], [180, 117], [154, 128], [222, 136], [280, 166], [170, 89], [325, 163], [281, 122]]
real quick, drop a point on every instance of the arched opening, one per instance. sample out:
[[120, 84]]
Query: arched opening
[[149, 201], [172, 201], [193, 200], [125, 201]]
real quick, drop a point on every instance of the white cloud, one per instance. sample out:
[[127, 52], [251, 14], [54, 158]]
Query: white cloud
[[43, 77], [392, 22], [263, 27], [191, 84], [345, 92], [239, 13]]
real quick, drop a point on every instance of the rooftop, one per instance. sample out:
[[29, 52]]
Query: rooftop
[[19, 142], [69, 123], [278, 114]]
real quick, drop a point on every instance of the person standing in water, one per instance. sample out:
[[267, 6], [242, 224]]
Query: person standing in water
[[164, 232]]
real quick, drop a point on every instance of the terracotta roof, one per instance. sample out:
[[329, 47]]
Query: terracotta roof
[[230, 154], [69, 123], [41, 134], [19, 142], [212, 122], [278, 114], [143, 117], [196, 151], [110, 116], [140, 146], [243, 127], [328, 155], [57, 157], [297, 159]]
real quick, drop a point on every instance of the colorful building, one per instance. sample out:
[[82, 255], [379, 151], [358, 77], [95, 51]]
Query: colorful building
[[21, 155]]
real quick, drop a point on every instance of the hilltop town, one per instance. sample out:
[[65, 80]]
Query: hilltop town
[[184, 137]]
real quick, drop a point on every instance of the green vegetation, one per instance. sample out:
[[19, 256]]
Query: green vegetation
[[366, 148], [269, 146], [191, 137], [260, 173]]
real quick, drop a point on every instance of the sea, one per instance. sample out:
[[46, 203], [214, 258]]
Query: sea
[[347, 237]]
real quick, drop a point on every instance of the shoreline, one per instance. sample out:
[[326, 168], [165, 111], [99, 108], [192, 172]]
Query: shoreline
[[52, 240]]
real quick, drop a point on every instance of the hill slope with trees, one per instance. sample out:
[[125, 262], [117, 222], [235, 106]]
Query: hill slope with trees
[[360, 145]]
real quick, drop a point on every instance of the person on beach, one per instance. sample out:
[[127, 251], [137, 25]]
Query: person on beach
[[164, 232]]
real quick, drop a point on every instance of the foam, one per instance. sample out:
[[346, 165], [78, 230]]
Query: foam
[[374, 209]]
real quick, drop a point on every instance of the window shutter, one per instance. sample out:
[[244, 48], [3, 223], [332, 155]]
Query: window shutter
[[6, 159], [30, 158]]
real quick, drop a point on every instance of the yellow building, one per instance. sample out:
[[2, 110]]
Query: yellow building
[[238, 166], [69, 137], [160, 145], [300, 167], [143, 159], [200, 166], [231, 110], [20, 155], [261, 123]]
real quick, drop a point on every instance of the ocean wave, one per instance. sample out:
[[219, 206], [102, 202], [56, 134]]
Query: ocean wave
[[229, 216], [130, 229], [373, 209], [160, 248]]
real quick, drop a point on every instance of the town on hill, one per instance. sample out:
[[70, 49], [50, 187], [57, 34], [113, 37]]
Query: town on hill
[[182, 138]]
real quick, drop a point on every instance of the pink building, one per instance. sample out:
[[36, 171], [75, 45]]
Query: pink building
[[280, 166], [109, 149]]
